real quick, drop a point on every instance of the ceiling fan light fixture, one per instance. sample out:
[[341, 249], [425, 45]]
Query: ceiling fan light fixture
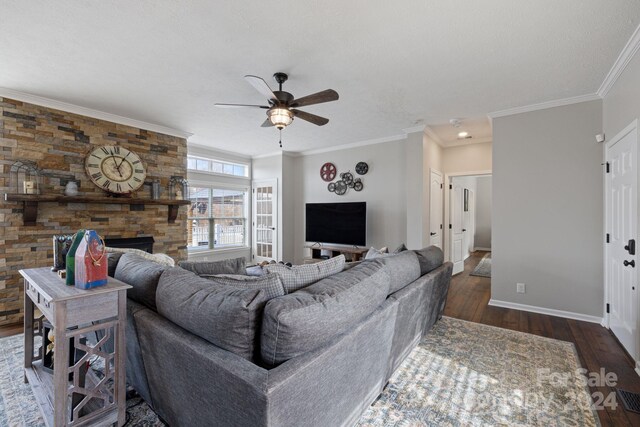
[[280, 117]]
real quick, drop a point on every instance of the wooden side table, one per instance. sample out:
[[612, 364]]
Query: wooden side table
[[73, 395]]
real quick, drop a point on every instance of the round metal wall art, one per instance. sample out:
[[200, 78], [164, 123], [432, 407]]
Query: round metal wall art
[[328, 172], [341, 188], [362, 168], [347, 177]]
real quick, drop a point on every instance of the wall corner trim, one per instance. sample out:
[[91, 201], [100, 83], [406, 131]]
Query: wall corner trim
[[431, 134], [89, 112], [419, 128], [626, 55], [547, 311], [544, 105]]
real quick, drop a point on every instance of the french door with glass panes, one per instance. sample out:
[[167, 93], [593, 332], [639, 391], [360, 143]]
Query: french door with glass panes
[[265, 220]]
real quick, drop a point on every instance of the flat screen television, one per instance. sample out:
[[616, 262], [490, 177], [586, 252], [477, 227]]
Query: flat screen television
[[339, 223]]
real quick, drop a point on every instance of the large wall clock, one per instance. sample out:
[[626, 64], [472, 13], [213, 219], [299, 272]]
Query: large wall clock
[[115, 169]]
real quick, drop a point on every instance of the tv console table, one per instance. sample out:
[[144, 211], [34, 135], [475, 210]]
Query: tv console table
[[351, 253]]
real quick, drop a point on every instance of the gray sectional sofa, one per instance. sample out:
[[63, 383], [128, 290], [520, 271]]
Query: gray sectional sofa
[[207, 355]]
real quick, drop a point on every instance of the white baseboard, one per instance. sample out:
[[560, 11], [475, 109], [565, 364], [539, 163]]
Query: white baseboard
[[482, 249], [547, 311]]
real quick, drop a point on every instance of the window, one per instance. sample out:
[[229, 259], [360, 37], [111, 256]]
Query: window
[[217, 218], [202, 164]]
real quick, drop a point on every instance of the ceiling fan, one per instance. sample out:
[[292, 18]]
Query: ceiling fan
[[283, 106]]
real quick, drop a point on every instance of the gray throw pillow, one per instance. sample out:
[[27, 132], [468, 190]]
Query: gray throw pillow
[[429, 258], [310, 318], [226, 266], [142, 275], [376, 253], [400, 248], [223, 315], [269, 283], [112, 262], [298, 276]]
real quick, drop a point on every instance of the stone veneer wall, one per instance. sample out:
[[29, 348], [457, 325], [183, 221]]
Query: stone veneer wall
[[58, 141]]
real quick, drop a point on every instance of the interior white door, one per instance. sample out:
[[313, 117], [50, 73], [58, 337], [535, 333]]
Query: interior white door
[[471, 222], [457, 233], [621, 188], [435, 209], [265, 220]]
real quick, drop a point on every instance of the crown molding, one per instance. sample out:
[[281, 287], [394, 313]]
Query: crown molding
[[470, 141], [544, 105], [89, 112], [333, 148], [626, 55], [205, 150], [431, 134], [413, 129]]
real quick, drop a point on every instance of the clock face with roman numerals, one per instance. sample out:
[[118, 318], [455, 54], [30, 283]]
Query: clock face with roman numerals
[[115, 169]]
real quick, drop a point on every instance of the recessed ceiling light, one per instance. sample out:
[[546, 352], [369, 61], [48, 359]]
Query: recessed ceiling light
[[463, 134]]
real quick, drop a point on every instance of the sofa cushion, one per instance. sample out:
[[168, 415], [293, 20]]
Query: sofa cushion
[[403, 268], [400, 248], [300, 276], [373, 253], [160, 258], [226, 266], [430, 258], [223, 315], [112, 262], [311, 317], [269, 283], [142, 275]]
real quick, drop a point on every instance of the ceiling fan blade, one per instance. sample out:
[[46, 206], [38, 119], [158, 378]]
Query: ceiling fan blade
[[261, 86], [312, 118], [316, 98], [267, 123], [240, 106]]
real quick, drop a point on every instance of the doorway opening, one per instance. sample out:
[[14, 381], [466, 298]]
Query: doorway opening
[[468, 215]]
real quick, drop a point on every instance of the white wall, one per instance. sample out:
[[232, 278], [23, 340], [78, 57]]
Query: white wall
[[622, 104], [384, 191], [547, 220], [483, 213], [467, 158]]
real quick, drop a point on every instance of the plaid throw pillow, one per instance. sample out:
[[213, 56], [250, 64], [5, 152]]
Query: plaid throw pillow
[[300, 276], [269, 283]]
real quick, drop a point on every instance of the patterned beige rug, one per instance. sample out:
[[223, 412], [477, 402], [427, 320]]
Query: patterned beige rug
[[468, 374], [461, 374]]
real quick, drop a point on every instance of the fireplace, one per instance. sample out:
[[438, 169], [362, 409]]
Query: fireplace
[[142, 243]]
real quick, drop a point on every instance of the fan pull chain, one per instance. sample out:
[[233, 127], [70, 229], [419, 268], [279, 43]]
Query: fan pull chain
[[280, 138]]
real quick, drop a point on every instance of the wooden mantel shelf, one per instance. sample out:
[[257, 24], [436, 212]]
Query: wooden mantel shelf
[[30, 203]]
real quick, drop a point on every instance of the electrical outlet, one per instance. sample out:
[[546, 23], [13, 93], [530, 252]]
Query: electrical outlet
[[520, 288]]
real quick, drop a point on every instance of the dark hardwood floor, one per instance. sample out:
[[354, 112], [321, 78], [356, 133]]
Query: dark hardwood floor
[[597, 348]]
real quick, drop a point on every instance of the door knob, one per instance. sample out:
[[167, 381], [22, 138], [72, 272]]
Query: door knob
[[631, 263], [432, 234], [631, 247], [464, 229]]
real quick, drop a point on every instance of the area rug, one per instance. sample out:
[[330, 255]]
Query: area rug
[[483, 269], [461, 374]]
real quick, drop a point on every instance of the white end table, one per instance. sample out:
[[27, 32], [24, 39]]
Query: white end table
[[72, 312]]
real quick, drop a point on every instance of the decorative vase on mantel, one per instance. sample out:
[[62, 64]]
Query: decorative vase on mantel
[[71, 189]]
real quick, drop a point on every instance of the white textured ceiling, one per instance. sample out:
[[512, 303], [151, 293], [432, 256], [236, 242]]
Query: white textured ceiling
[[394, 64], [478, 128]]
